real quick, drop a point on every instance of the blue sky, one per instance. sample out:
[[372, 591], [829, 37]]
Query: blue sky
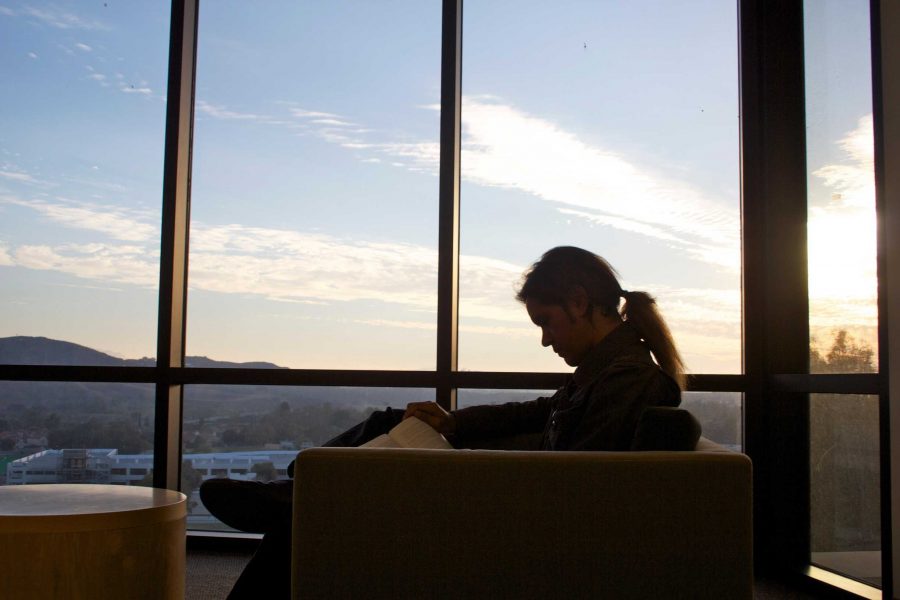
[[612, 126]]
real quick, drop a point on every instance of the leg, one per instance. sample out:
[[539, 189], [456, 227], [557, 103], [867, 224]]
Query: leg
[[257, 507], [266, 508], [268, 574], [378, 423]]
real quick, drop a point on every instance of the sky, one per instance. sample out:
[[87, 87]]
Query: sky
[[609, 125]]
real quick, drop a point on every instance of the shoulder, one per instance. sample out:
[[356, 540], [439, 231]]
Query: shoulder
[[636, 376]]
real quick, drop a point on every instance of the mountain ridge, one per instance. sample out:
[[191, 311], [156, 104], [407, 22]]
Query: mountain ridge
[[38, 350]]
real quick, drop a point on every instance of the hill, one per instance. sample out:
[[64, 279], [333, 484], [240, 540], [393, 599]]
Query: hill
[[25, 350]]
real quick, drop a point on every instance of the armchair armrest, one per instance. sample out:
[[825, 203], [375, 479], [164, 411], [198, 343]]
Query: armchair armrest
[[510, 524]]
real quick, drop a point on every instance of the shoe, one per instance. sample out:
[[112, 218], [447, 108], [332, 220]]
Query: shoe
[[251, 506]]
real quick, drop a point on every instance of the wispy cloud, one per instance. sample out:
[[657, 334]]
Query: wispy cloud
[[57, 17], [505, 147], [18, 176], [83, 47], [508, 148], [5, 259], [218, 111], [303, 113], [314, 268], [139, 89], [97, 262], [114, 221], [842, 237]]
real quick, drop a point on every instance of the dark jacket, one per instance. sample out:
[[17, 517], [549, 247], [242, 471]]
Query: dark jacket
[[597, 409]]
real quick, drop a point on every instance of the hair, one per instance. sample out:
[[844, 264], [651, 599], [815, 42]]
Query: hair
[[554, 279]]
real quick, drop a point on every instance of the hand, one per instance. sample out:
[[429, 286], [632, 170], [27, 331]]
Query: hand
[[432, 414]]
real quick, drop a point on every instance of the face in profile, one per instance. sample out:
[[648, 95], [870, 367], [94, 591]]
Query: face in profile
[[568, 332]]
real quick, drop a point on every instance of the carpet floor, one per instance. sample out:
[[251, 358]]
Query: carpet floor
[[210, 575]]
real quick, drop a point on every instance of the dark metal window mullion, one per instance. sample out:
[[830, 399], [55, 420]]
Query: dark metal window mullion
[[885, 16], [174, 243], [448, 234], [775, 287]]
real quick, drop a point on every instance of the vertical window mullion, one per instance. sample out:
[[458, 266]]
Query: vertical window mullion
[[775, 294], [886, 127], [174, 242], [448, 238]]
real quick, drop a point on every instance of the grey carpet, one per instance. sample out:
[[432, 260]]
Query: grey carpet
[[210, 575]]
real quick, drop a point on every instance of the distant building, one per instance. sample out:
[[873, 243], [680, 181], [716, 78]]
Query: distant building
[[106, 465]]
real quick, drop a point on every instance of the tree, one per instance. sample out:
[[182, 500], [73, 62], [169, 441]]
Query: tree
[[845, 356], [265, 471], [191, 479], [844, 455]]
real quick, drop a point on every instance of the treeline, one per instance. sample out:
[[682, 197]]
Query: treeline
[[298, 426], [844, 455]]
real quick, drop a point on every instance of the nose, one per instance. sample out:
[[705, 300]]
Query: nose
[[545, 338]]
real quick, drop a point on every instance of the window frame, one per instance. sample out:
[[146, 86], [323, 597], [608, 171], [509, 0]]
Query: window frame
[[776, 382]]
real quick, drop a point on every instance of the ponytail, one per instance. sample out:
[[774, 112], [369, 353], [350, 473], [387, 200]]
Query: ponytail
[[639, 310]]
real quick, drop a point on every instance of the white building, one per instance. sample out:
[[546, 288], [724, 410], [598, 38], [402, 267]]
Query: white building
[[106, 465]]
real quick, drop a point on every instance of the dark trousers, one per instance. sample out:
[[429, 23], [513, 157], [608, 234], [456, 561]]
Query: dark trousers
[[268, 574]]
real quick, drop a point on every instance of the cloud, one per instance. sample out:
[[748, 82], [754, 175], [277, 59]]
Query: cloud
[[221, 112], [113, 221], [131, 89], [18, 176], [430, 326], [32, 55], [332, 122], [98, 262], [315, 268], [842, 233], [281, 264], [83, 47], [217, 111], [508, 148], [5, 259], [505, 147], [302, 113], [58, 18]]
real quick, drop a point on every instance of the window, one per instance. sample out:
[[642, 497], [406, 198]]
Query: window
[[314, 191], [840, 153], [845, 485], [54, 432], [83, 121], [610, 126], [315, 217], [845, 478], [262, 428]]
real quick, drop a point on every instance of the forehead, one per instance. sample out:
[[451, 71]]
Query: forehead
[[540, 312]]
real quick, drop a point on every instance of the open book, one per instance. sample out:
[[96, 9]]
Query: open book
[[410, 433]]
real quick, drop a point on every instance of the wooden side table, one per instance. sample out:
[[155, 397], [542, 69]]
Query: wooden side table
[[91, 541]]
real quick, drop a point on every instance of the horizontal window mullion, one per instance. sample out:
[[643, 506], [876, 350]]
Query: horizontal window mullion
[[832, 383], [78, 373]]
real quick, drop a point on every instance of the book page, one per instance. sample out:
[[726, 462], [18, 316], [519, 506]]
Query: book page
[[414, 433], [382, 441]]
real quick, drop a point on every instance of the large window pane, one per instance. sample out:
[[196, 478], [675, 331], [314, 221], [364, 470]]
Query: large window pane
[[845, 484], [611, 126], [720, 416], [843, 314], [314, 203], [254, 432], [82, 122], [470, 397], [76, 433], [719, 413]]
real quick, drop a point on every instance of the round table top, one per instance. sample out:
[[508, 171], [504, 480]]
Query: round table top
[[83, 507]]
